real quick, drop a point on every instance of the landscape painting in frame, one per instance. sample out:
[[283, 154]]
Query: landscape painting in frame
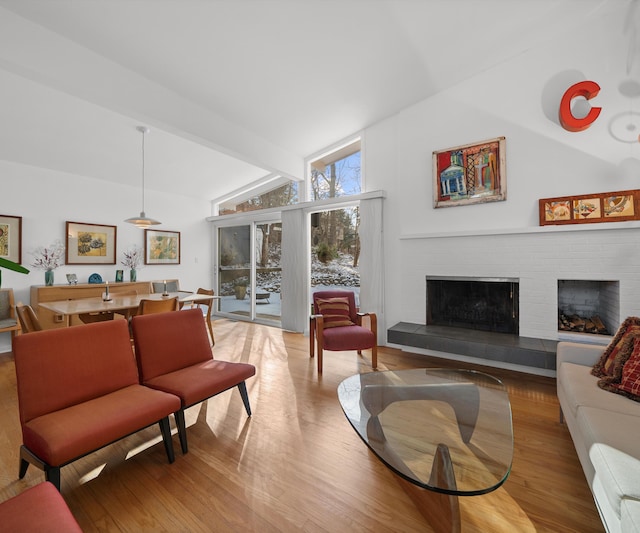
[[11, 238], [470, 174], [90, 244], [616, 206], [161, 247]]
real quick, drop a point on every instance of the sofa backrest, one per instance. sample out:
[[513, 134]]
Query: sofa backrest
[[58, 368], [167, 342]]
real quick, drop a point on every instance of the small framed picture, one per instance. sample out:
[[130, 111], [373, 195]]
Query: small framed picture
[[161, 247], [11, 238], [618, 206], [90, 244], [119, 276], [72, 279]]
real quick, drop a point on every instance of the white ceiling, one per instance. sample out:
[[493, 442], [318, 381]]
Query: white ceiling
[[234, 90]]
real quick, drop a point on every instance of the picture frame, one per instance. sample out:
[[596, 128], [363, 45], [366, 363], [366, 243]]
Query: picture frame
[[119, 276], [11, 238], [470, 174], [161, 247], [90, 244], [618, 206]]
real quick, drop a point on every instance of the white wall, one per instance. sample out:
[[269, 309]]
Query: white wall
[[46, 200], [517, 100]]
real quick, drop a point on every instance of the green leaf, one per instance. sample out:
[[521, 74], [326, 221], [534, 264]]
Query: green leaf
[[13, 266]]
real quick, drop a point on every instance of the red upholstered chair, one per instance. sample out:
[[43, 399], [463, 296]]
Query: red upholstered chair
[[174, 355], [40, 508], [78, 391], [337, 326]]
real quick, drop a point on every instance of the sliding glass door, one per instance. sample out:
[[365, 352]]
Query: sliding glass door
[[249, 272]]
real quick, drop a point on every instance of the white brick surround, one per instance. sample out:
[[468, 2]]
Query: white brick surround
[[537, 257]]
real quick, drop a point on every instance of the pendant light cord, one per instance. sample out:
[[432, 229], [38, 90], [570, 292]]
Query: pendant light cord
[[143, 135]]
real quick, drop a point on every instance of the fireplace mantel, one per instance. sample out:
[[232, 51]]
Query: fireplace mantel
[[522, 231]]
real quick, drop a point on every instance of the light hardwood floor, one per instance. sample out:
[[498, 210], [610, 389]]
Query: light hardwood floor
[[296, 464]]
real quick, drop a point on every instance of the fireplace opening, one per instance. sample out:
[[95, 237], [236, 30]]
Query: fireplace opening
[[487, 304], [588, 306]]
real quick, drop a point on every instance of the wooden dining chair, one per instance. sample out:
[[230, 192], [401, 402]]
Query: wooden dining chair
[[28, 319], [8, 319], [148, 307], [207, 315]]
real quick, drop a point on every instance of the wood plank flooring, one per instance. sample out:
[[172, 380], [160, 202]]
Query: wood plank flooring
[[296, 464]]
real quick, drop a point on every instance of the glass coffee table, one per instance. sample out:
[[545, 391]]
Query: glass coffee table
[[445, 433]]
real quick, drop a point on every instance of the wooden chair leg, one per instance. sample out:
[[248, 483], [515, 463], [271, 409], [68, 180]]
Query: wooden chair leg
[[312, 340], [320, 352], [374, 357], [213, 340]]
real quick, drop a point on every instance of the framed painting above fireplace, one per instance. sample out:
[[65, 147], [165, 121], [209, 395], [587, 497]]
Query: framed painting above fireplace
[[470, 174]]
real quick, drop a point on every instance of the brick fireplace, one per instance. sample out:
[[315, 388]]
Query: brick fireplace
[[542, 260]]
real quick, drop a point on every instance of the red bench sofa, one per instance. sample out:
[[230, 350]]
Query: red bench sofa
[[78, 391]]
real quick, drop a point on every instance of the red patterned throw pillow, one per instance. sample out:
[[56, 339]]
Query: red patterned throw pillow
[[630, 384], [610, 365], [335, 312]]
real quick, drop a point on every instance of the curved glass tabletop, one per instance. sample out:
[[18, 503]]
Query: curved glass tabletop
[[449, 431]]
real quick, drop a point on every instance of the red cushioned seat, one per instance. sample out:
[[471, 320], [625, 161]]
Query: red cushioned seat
[[174, 355], [38, 509]]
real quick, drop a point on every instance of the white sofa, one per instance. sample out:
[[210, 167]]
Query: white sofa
[[605, 428]]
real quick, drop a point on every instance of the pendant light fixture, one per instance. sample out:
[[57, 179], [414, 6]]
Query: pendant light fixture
[[142, 221]]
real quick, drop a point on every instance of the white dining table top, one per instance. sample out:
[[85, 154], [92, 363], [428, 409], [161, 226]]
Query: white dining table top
[[117, 302]]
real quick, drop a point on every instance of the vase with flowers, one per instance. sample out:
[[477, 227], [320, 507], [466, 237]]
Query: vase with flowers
[[132, 258], [48, 259]]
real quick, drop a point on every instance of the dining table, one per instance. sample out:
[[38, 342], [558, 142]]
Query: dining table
[[114, 302]]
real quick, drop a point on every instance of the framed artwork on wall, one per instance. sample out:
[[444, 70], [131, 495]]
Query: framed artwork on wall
[[90, 244], [616, 206], [161, 247], [11, 238], [470, 174]]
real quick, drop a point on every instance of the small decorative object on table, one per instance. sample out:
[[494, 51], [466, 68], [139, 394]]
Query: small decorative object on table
[[95, 278], [132, 258], [72, 279], [119, 276], [106, 297], [164, 290], [48, 259]]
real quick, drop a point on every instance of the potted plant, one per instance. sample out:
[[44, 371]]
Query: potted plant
[[240, 288], [48, 259], [132, 258]]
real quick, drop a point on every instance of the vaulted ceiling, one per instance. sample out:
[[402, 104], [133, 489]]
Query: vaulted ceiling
[[235, 90]]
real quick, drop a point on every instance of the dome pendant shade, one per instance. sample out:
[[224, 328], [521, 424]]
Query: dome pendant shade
[[143, 221]]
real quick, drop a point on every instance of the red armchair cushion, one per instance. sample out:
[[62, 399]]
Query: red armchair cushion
[[335, 312], [40, 508], [348, 338]]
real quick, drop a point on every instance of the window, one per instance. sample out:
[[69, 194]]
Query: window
[[337, 173], [274, 191]]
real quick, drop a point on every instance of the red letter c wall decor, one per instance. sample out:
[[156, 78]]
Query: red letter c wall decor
[[586, 89]]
